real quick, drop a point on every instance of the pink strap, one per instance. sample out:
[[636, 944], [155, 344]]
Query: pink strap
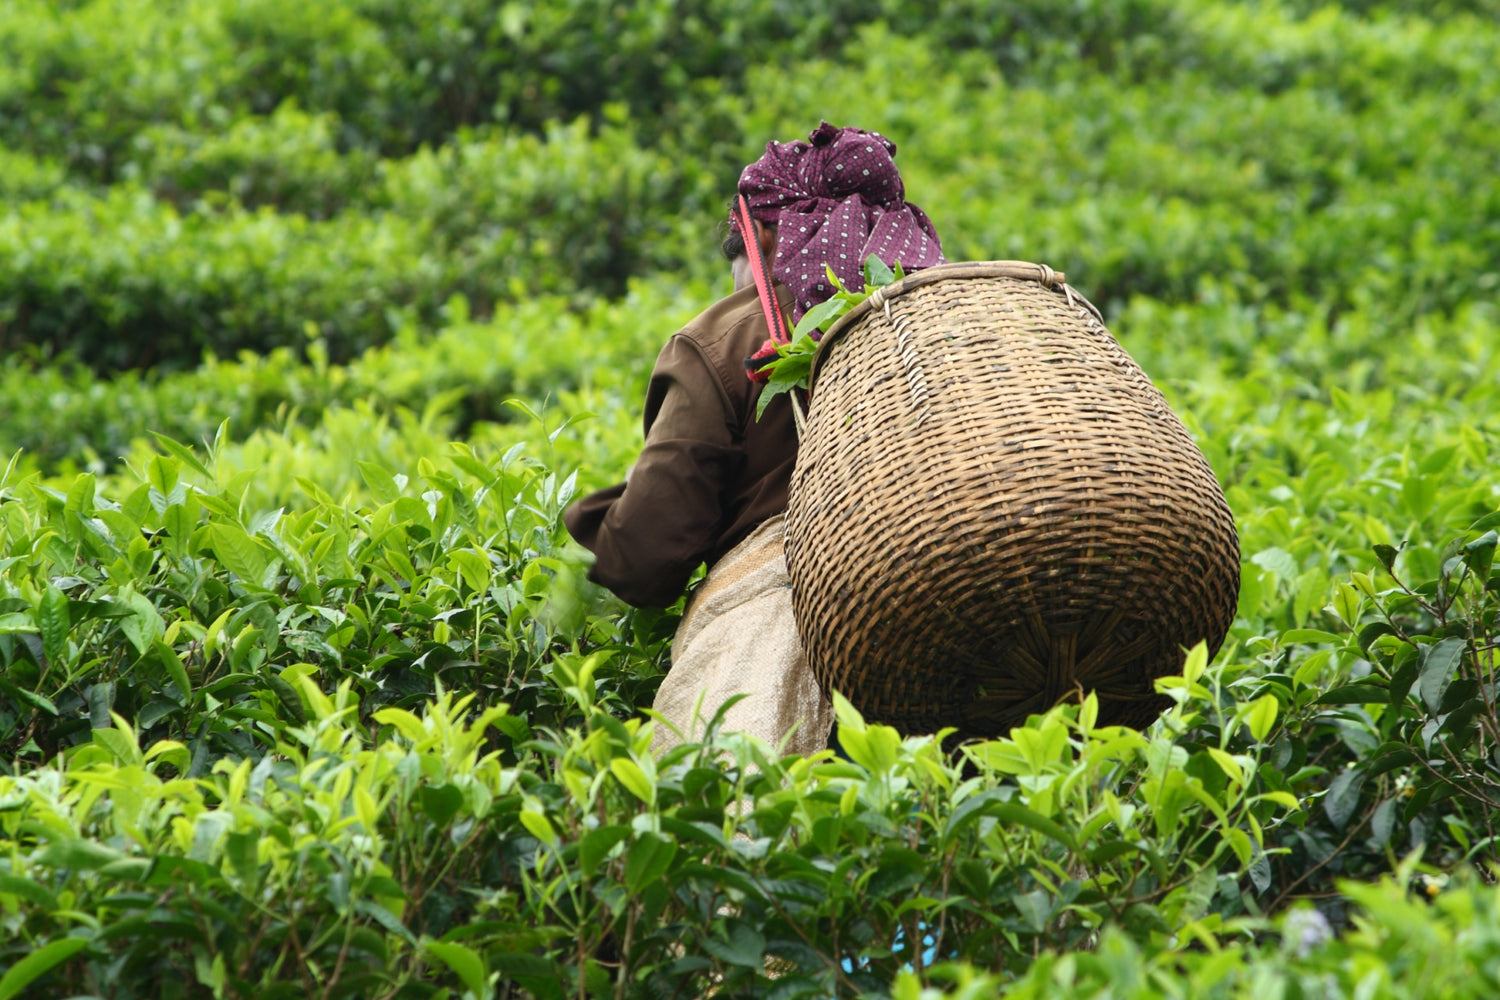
[[775, 321]]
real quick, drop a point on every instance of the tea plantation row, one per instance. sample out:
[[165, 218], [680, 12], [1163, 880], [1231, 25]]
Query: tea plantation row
[[1289, 158]]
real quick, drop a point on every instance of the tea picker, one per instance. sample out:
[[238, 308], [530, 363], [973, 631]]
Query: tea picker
[[990, 508]]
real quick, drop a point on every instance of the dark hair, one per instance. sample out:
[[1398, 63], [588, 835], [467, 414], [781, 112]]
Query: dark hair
[[733, 245], [734, 242]]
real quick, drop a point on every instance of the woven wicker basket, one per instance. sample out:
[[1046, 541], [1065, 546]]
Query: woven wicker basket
[[993, 508]]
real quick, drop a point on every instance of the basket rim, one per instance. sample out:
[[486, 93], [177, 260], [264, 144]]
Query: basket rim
[[957, 270]]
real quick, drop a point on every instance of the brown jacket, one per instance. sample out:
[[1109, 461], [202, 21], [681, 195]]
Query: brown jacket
[[709, 472]]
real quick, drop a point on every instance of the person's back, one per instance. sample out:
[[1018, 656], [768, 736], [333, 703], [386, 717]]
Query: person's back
[[710, 473]]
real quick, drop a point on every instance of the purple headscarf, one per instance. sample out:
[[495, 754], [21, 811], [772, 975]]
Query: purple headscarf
[[836, 199]]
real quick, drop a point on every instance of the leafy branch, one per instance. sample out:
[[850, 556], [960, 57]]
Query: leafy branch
[[793, 365]]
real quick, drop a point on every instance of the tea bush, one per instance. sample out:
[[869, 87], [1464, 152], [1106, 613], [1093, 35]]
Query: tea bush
[[25, 178], [570, 858], [1144, 186], [563, 861], [181, 607], [310, 695], [1412, 940], [289, 160], [83, 79], [463, 373], [124, 280], [1152, 188]]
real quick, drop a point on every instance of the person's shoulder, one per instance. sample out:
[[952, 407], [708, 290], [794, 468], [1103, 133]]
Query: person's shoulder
[[728, 332], [728, 324]]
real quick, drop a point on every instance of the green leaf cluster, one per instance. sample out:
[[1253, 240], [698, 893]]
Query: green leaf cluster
[[192, 613], [793, 365], [403, 851]]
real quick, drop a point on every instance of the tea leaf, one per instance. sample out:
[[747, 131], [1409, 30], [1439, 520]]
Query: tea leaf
[[144, 626], [1342, 797], [1309, 635], [466, 964], [1354, 694], [1262, 716], [820, 317], [441, 803], [238, 552], [1387, 556], [473, 568], [629, 774], [1479, 554], [380, 481], [595, 845], [746, 946], [647, 860], [1439, 665], [183, 454], [53, 621], [1011, 812], [539, 826], [38, 962]]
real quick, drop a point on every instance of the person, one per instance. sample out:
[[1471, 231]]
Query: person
[[711, 483]]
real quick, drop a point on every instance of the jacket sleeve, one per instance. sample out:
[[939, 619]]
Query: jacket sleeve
[[650, 532]]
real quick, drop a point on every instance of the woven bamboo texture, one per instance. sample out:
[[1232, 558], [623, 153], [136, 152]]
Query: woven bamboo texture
[[993, 509]]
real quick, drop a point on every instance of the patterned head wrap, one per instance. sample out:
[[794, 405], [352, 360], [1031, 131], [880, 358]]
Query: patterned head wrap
[[836, 199]]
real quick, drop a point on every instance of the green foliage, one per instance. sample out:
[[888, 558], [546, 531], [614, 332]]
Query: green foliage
[[251, 671], [1152, 187], [793, 365], [576, 208], [23, 177], [124, 280], [481, 846], [83, 78], [288, 160], [450, 846], [1416, 708], [450, 381], [180, 607], [1159, 146], [1402, 946]]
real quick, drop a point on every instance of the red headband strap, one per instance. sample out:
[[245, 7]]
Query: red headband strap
[[775, 321]]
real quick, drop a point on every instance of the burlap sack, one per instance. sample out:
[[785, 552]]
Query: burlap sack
[[739, 636]]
